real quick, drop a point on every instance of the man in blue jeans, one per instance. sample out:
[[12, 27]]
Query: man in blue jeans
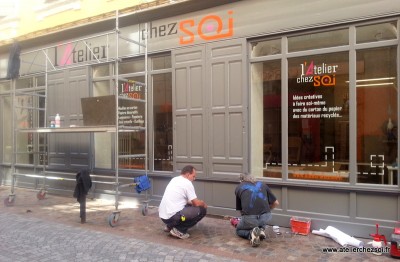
[[255, 201], [180, 209]]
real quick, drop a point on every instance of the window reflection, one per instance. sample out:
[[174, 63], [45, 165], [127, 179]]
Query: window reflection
[[162, 99], [26, 116], [5, 87], [378, 32], [101, 70], [377, 116], [132, 66], [266, 116], [264, 48], [318, 40], [161, 62]]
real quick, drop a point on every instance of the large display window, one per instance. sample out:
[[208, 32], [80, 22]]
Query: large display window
[[305, 91], [160, 156], [266, 105], [318, 117], [26, 115], [377, 108]]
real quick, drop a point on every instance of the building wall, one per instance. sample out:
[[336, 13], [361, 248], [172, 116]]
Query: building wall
[[216, 112]]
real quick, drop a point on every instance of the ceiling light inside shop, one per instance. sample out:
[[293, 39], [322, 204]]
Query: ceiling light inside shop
[[374, 81], [375, 84]]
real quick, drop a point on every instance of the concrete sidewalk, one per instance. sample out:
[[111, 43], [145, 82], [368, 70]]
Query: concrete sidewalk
[[214, 236]]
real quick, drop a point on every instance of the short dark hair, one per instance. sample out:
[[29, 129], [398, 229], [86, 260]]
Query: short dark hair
[[187, 169]]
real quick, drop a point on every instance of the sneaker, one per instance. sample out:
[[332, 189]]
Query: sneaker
[[255, 237], [262, 234], [176, 233], [167, 229]]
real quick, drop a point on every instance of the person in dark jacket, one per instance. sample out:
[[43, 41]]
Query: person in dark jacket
[[255, 201], [83, 185], [14, 61]]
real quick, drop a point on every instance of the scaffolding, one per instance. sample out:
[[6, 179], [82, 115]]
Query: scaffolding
[[31, 105]]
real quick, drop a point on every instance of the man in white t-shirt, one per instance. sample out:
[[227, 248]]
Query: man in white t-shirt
[[180, 209]]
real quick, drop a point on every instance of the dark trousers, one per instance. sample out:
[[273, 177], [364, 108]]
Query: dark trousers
[[192, 216], [82, 207]]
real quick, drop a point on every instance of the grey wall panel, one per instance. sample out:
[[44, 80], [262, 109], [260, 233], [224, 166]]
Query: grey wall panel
[[318, 201], [235, 135], [188, 114], [222, 168], [379, 207], [279, 193], [196, 133], [223, 195], [222, 52], [158, 186], [188, 56], [182, 142], [180, 89], [200, 188], [198, 165], [218, 87], [235, 83], [196, 87], [219, 131], [228, 104]]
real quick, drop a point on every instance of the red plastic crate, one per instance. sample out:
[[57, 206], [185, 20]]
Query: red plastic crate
[[300, 225]]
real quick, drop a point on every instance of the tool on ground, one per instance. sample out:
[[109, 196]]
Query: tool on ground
[[377, 242], [395, 241]]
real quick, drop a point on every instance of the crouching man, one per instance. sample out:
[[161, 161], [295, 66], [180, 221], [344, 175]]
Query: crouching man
[[180, 209], [255, 201]]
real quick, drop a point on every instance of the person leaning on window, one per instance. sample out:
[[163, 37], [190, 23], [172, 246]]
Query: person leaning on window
[[255, 201], [180, 209]]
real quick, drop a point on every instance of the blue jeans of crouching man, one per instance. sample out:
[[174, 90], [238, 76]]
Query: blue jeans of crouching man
[[248, 222]]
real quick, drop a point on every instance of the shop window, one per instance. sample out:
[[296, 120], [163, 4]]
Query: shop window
[[377, 32], [161, 62], [318, 40], [5, 87], [318, 117], [377, 116], [131, 66], [30, 82], [266, 116], [27, 115], [265, 48], [162, 115], [132, 114], [101, 70]]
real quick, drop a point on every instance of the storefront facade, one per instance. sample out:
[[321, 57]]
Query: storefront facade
[[303, 96]]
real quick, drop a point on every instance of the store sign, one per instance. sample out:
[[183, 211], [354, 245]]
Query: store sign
[[67, 54], [208, 28], [131, 112], [132, 89], [311, 106], [319, 75]]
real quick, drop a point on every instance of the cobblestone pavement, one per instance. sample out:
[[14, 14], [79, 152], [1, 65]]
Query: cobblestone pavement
[[33, 239], [50, 230]]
